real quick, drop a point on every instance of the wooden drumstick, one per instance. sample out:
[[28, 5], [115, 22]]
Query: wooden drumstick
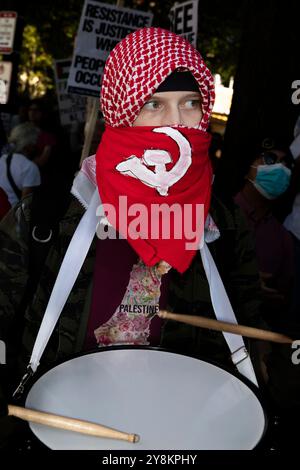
[[70, 424], [212, 324]]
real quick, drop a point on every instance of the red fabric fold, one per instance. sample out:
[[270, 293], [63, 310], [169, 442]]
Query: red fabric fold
[[190, 187]]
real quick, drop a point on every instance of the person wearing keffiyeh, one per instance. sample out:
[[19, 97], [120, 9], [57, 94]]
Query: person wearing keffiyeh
[[156, 97], [168, 100]]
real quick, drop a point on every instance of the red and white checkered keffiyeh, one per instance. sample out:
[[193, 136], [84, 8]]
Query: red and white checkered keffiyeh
[[139, 64]]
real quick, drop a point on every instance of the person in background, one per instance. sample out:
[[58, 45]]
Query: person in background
[[18, 174], [267, 179], [283, 365]]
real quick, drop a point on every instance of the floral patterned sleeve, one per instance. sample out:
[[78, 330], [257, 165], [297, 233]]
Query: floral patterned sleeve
[[130, 324]]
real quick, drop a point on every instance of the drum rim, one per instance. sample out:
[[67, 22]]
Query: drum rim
[[255, 390]]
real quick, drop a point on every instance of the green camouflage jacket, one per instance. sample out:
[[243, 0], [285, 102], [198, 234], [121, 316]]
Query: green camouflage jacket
[[188, 293]]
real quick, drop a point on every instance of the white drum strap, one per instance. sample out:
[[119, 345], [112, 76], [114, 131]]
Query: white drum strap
[[224, 312], [71, 265]]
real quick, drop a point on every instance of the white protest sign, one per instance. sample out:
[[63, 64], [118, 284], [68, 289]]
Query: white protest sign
[[184, 20], [8, 20], [224, 95], [101, 27], [71, 107], [5, 79]]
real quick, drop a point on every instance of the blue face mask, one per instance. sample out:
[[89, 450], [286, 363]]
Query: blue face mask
[[272, 180]]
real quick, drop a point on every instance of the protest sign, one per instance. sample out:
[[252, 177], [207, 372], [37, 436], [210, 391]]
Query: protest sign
[[184, 20], [101, 27], [71, 107], [5, 79], [8, 20]]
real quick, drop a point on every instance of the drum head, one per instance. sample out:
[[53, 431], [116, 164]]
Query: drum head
[[172, 401]]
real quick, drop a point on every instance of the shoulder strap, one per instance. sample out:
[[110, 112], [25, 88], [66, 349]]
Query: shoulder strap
[[224, 312], [68, 273], [17, 191]]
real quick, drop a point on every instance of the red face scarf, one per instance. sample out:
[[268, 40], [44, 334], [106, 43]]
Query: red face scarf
[[138, 170]]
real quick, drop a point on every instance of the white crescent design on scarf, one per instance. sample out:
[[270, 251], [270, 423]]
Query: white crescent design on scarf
[[160, 178]]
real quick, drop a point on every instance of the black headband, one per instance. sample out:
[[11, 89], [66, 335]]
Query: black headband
[[179, 81]]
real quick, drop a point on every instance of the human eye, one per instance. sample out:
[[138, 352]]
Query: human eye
[[193, 103], [152, 105]]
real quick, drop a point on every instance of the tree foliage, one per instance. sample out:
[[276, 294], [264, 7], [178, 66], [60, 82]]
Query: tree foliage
[[35, 75], [219, 35], [48, 35]]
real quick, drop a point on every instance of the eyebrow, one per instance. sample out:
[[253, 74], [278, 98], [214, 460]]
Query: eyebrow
[[164, 98]]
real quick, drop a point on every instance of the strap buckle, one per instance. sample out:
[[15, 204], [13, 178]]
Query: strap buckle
[[239, 355], [20, 389]]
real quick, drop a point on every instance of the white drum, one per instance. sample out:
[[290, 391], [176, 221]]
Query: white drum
[[172, 401]]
